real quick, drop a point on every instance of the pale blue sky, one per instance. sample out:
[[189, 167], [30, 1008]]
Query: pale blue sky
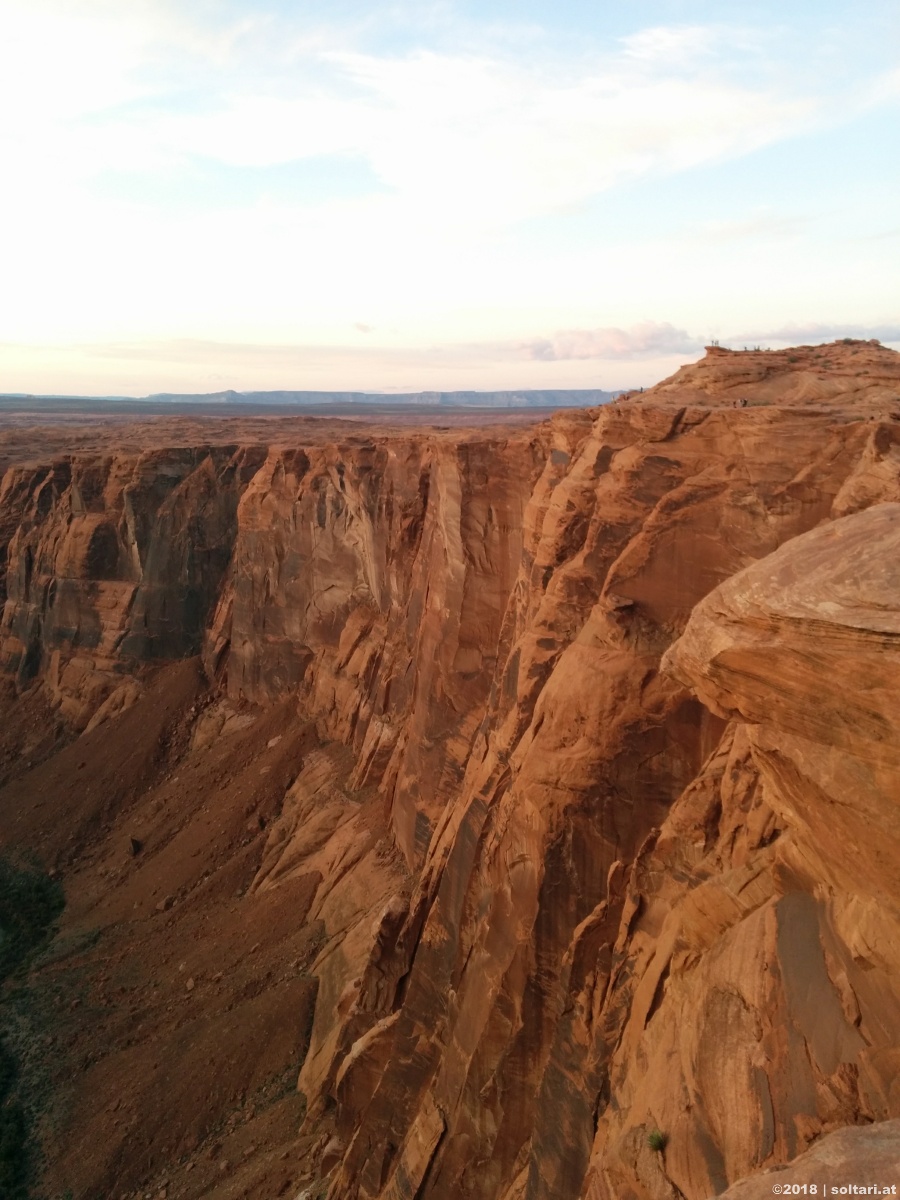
[[443, 195]]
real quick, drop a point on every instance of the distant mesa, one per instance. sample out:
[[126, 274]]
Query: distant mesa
[[523, 398], [280, 400]]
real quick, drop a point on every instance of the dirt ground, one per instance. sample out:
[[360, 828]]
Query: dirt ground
[[164, 1027], [32, 434]]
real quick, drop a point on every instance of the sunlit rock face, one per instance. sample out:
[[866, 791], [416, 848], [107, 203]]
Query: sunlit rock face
[[760, 968], [592, 787], [559, 1005], [839, 1161], [373, 581]]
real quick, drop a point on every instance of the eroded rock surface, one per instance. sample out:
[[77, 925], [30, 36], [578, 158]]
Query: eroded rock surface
[[760, 958], [865, 1158], [114, 560], [556, 883]]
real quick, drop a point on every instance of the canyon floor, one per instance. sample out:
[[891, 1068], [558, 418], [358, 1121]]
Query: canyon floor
[[495, 805]]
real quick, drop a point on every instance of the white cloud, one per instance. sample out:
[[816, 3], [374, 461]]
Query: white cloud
[[647, 340], [813, 334], [477, 141], [141, 368], [671, 46], [759, 225], [62, 62], [463, 140], [883, 88], [473, 153], [464, 146]]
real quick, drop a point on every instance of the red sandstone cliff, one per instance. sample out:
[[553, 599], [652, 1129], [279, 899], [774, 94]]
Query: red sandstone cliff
[[533, 757]]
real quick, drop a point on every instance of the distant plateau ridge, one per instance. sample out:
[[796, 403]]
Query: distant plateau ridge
[[521, 398]]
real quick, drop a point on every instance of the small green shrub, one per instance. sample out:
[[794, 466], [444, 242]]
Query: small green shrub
[[657, 1140]]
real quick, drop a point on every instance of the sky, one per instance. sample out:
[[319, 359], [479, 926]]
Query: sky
[[478, 194]]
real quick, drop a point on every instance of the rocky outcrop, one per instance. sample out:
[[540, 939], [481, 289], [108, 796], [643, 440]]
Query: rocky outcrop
[[747, 1013], [582, 757], [848, 1162], [864, 374]]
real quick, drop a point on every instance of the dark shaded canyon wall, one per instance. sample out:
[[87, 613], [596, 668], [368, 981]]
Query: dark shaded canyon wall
[[479, 623], [113, 561]]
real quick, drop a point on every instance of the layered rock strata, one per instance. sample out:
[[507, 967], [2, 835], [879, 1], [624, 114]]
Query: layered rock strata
[[749, 1011], [573, 886], [839, 1162], [112, 561]]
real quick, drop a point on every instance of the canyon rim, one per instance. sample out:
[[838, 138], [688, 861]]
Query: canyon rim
[[503, 811]]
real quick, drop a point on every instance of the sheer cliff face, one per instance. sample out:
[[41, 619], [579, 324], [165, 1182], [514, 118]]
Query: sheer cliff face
[[373, 580], [114, 560], [510, 1057], [760, 957], [595, 710]]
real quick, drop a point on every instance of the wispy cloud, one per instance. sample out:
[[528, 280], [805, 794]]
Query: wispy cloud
[[465, 138], [475, 140], [671, 47], [757, 226], [813, 334], [269, 174], [883, 236], [140, 368], [647, 340], [609, 358], [107, 107]]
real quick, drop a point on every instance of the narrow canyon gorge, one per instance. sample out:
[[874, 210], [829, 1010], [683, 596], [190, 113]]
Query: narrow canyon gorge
[[499, 811]]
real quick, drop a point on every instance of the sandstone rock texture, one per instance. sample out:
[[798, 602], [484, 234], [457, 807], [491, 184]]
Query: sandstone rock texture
[[559, 759], [111, 560], [762, 956], [858, 1158]]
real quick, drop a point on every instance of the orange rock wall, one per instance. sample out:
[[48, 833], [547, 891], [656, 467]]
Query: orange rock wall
[[498, 1080], [113, 561], [373, 580], [620, 898]]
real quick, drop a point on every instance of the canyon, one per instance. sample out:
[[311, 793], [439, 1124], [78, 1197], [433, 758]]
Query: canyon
[[501, 810]]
